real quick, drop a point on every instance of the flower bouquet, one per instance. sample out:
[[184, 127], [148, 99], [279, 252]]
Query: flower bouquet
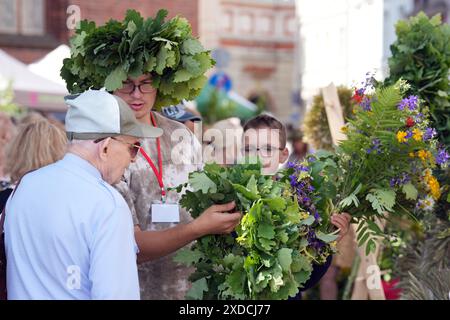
[[385, 166]]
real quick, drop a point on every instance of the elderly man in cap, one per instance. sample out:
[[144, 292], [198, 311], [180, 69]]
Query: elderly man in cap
[[70, 234]]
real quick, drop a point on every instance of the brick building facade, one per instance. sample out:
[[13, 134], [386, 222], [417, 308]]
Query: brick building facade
[[29, 29], [259, 37]]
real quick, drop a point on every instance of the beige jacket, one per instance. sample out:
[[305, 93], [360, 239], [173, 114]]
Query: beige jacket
[[181, 153]]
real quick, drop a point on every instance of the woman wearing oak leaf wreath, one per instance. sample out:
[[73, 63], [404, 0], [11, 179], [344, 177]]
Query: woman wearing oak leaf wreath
[[166, 161]]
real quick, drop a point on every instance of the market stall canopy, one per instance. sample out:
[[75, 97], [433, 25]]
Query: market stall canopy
[[50, 66], [30, 89]]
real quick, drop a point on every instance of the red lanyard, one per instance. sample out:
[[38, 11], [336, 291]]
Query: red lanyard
[[159, 175]]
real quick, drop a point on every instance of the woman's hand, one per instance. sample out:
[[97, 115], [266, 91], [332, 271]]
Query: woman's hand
[[342, 222], [217, 219]]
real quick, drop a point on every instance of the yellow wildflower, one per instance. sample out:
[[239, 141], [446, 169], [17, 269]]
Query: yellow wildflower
[[344, 129], [304, 215], [435, 188], [417, 134], [401, 136], [423, 155], [432, 184], [411, 154]]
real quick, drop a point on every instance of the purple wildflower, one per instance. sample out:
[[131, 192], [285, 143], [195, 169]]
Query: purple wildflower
[[316, 216], [429, 133], [393, 182], [313, 241], [402, 105], [303, 188], [403, 179], [366, 104], [293, 179], [418, 117], [442, 157], [412, 105], [376, 146], [291, 165], [297, 167], [410, 102], [311, 159], [368, 83]]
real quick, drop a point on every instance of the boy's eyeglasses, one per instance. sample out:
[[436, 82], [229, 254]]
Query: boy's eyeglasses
[[129, 87], [133, 148], [265, 151]]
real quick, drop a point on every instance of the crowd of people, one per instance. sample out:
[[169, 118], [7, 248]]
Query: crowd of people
[[82, 202], [88, 209]]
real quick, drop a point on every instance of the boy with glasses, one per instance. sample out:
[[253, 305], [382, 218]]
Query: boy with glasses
[[265, 136]]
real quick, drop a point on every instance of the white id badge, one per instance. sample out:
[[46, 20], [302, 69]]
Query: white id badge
[[165, 212]]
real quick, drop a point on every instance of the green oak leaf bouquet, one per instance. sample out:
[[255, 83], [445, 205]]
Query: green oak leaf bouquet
[[280, 238]]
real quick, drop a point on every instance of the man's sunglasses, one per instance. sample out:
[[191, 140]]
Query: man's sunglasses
[[133, 148]]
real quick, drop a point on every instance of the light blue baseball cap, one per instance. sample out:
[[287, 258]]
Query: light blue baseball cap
[[96, 114]]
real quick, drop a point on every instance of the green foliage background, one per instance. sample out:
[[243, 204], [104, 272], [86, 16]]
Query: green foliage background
[[421, 55], [316, 128]]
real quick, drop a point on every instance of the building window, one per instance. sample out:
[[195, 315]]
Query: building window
[[290, 25], [25, 17], [227, 21], [246, 23], [8, 16], [265, 24]]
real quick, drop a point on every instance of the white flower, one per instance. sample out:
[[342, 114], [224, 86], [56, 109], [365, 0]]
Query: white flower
[[426, 204]]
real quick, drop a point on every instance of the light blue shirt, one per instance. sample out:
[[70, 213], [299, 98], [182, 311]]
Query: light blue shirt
[[69, 235]]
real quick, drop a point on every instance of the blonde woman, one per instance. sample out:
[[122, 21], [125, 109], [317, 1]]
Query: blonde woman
[[7, 132], [36, 145]]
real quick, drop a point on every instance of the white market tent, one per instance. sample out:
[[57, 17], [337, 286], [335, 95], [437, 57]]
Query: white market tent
[[30, 89], [50, 66]]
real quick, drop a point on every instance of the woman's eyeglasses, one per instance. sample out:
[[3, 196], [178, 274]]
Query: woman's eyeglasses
[[133, 148]]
